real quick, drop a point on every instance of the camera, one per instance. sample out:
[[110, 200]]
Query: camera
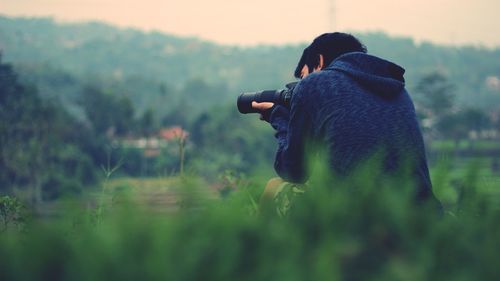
[[281, 97]]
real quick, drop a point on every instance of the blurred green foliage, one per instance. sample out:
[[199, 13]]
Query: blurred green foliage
[[12, 213], [360, 228], [43, 148]]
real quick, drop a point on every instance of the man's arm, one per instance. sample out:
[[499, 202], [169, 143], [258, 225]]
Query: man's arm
[[292, 130]]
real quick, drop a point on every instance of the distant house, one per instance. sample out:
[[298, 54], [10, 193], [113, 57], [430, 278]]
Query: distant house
[[173, 133], [151, 146]]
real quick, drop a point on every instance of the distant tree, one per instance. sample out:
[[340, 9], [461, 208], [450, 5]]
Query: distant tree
[[107, 113], [198, 128], [451, 126], [179, 115], [475, 119], [434, 96], [458, 125], [37, 143], [224, 139], [146, 123], [434, 100]]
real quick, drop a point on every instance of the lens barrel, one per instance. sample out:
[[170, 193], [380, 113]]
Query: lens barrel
[[245, 100], [281, 97]]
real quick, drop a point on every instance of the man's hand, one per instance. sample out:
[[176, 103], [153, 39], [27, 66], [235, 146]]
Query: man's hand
[[264, 108]]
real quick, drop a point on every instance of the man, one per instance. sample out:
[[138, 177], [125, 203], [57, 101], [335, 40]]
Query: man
[[352, 104]]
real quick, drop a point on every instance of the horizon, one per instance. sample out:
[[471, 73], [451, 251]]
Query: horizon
[[238, 23]]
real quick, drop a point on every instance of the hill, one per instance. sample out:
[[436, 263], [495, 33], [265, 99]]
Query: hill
[[143, 65]]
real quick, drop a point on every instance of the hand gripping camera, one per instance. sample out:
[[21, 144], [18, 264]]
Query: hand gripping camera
[[281, 97]]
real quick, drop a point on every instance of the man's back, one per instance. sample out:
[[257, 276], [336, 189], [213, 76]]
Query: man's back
[[356, 107]]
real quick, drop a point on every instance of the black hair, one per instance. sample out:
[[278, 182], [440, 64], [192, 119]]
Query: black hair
[[331, 46]]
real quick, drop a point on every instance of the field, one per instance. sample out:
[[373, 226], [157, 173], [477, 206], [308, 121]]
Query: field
[[452, 165], [167, 229]]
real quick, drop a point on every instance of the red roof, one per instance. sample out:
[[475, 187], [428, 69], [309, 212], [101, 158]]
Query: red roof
[[173, 133]]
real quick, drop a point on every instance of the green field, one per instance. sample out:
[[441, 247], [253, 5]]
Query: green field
[[178, 229]]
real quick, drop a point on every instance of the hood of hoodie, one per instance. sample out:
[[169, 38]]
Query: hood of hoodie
[[380, 76]]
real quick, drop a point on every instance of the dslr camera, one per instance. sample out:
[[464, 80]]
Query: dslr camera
[[281, 97]]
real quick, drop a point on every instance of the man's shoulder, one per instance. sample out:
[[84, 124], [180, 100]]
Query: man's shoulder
[[327, 76], [318, 82]]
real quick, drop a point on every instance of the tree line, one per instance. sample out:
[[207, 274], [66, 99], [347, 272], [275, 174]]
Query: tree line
[[48, 152]]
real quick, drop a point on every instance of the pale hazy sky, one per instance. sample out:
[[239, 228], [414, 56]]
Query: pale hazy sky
[[251, 22]]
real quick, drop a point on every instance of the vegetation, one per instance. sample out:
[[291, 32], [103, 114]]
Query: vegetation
[[160, 69], [337, 230], [42, 153], [122, 156]]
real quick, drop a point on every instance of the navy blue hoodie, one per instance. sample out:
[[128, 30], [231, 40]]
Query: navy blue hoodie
[[355, 107]]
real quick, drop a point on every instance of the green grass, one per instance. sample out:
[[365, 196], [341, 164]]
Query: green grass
[[361, 228], [449, 173]]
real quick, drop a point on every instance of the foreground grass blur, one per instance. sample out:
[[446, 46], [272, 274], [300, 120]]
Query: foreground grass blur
[[362, 228]]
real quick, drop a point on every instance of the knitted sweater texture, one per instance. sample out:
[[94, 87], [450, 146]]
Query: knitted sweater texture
[[353, 109]]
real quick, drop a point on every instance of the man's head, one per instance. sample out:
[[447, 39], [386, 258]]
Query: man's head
[[324, 49]]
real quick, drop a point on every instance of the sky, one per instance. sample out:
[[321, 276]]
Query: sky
[[251, 22]]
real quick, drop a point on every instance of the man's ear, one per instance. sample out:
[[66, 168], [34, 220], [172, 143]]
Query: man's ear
[[321, 63]]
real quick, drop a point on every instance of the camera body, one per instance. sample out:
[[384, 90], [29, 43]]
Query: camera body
[[281, 97]]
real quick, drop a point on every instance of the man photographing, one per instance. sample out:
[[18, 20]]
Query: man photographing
[[351, 104]]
